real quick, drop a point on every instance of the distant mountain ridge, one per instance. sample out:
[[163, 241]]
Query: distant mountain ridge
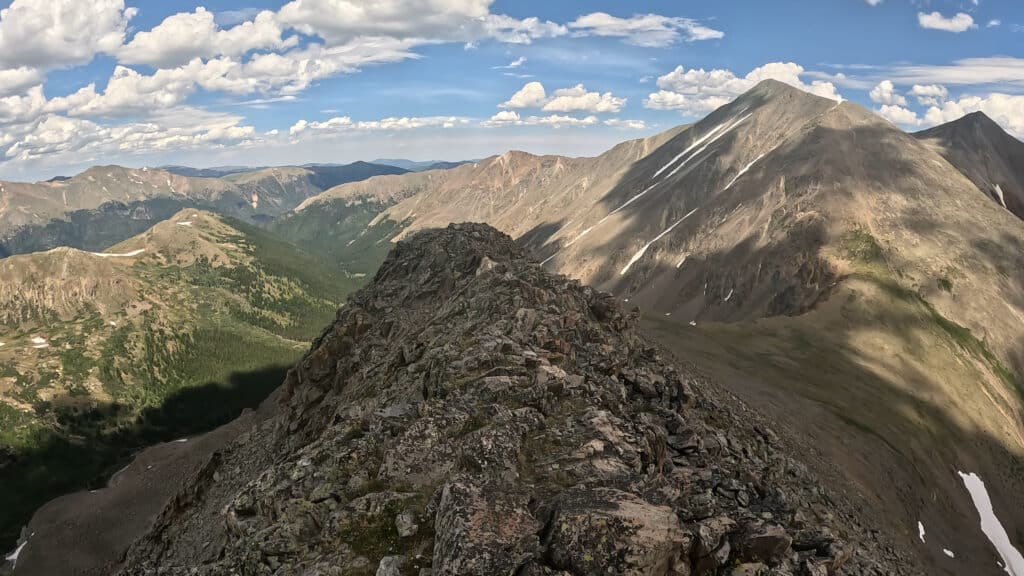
[[421, 165], [104, 205]]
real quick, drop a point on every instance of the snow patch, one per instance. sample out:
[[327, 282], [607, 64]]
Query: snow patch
[[640, 253], [185, 223], [999, 192], [668, 313], [682, 261], [920, 531], [742, 172], [180, 440], [948, 552], [693, 322], [704, 147], [687, 151], [39, 343], [728, 296], [112, 323], [1012, 559], [13, 556], [124, 255]]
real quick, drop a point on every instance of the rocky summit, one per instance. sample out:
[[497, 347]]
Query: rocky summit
[[468, 413]]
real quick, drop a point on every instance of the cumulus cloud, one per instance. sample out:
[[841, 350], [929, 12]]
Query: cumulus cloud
[[650, 30], [577, 98], [697, 91], [59, 33], [885, 93], [184, 36], [339, 21], [961, 22], [503, 118], [899, 115], [55, 138], [17, 80], [531, 95], [929, 95]]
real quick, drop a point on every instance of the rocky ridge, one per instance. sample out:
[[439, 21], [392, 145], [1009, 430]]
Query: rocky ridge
[[470, 413]]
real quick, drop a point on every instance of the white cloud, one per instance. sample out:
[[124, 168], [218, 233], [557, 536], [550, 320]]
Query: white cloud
[[961, 22], [577, 98], [512, 65], [184, 36], [623, 123], [531, 95], [874, 2], [503, 118], [345, 123], [55, 139], [899, 115], [58, 33], [650, 30], [994, 23], [696, 91], [21, 108], [998, 70], [885, 93], [466, 21], [929, 95], [512, 118], [17, 80], [557, 120]]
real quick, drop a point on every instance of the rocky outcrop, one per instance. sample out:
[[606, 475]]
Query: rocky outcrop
[[468, 413]]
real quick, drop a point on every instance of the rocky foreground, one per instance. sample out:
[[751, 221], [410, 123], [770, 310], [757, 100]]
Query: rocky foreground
[[470, 414]]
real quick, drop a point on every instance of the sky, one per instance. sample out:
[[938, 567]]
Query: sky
[[273, 82]]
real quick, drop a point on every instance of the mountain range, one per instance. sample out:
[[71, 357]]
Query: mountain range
[[106, 204], [860, 287]]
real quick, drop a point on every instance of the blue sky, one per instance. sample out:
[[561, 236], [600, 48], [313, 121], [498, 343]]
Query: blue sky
[[275, 82]]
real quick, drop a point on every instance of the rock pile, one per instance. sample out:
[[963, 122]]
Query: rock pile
[[470, 414]]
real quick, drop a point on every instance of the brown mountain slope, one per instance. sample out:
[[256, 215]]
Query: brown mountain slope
[[986, 154], [832, 264]]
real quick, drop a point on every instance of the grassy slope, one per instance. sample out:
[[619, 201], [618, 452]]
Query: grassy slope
[[341, 233], [213, 341]]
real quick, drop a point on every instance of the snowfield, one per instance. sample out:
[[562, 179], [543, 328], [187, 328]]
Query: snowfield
[[123, 255], [1013, 561]]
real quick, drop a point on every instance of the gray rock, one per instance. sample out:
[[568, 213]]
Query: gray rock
[[405, 523], [391, 566]]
